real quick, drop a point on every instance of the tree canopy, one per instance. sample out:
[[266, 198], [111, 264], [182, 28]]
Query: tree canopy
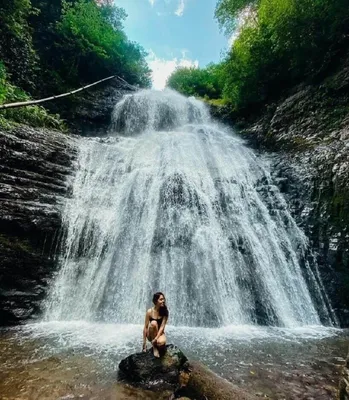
[[280, 44], [16, 46], [201, 82], [228, 11], [289, 41], [51, 45]]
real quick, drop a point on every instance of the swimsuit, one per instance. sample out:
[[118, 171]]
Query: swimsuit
[[158, 320]]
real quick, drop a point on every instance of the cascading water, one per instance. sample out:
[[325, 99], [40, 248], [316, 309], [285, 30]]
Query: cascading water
[[171, 201]]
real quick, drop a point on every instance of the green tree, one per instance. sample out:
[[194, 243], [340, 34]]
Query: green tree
[[287, 42], [227, 12], [16, 47], [95, 45], [33, 115], [79, 41], [50, 46], [201, 82]]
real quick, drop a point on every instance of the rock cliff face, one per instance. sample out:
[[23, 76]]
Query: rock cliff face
[[309, 132], [34, 180]]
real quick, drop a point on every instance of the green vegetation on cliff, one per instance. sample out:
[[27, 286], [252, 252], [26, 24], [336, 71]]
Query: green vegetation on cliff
[[50, 46], [36, 116], [16, 45], [201, 82], [80, 41], [280, 43]]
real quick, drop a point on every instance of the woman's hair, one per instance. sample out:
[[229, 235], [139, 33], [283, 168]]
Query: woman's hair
[[163, 310]]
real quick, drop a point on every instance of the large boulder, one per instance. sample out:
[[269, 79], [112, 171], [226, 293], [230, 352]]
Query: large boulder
[[143, 369]]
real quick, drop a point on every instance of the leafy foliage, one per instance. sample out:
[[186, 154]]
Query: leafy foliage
[[287, 41], [16, 47], [32, 115], [204, 82], [95, 44], [81, 41], [51, 46], [282, 43], [227, 12]]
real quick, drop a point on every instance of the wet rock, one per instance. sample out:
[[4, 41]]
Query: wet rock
[[34, 179], [343, 393], [143, 369]]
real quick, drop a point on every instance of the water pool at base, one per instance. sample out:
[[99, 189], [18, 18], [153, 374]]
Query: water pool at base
[[78, 360]]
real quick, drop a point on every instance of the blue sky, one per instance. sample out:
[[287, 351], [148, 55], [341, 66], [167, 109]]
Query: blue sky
[[174, 32]]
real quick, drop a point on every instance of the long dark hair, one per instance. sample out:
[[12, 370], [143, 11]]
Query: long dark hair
[[163, 310]]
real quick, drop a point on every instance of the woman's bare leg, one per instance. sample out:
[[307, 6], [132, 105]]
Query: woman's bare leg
[[152, 332], [161, 342]]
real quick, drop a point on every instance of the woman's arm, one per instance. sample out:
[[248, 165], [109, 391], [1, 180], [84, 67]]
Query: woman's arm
[[161, 330], [145, 329]]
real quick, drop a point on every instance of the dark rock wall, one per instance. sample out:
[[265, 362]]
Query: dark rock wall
[[88, 113], [34, 180], [308, 134]]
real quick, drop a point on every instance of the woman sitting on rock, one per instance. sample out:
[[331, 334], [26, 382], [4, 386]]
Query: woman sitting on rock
[[154, 325]]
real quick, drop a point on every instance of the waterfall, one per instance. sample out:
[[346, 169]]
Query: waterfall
[[171, 201]]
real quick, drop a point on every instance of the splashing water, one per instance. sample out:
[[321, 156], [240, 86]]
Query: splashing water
[[172, 201]]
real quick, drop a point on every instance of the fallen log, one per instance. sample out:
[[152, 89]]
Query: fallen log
[[201, 383]]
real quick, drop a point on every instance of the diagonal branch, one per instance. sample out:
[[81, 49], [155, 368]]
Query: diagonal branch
[[33, 102]]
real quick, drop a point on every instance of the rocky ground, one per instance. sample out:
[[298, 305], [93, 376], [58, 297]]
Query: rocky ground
[[343, 393]]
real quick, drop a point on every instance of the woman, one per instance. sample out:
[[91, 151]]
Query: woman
[[154, 324]]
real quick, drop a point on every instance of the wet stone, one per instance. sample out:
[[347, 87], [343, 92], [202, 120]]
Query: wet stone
[[143, 369]]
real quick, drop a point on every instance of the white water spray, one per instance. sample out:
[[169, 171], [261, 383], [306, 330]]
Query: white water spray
[[170, 201]]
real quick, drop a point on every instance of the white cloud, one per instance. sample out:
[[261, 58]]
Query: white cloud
[[162, 68], [180, 9]]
